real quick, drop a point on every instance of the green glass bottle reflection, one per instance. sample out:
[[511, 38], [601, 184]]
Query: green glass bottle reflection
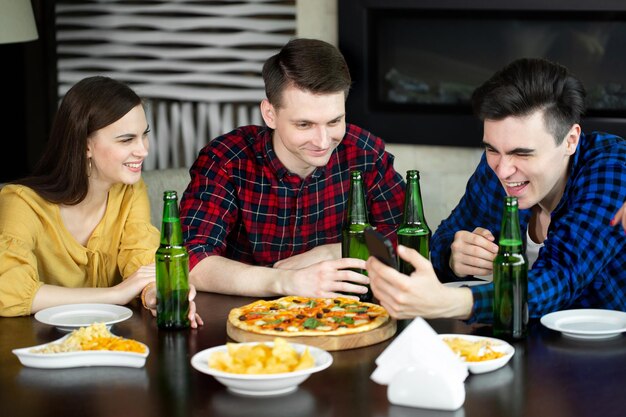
[[510, 277], [413, 231], [353, 237], [172, 269]]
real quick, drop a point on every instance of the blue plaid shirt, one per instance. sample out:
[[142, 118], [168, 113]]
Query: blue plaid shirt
[[583, 262]]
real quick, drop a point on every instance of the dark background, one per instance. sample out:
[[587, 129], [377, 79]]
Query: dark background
[[28, 74], [366, 49]]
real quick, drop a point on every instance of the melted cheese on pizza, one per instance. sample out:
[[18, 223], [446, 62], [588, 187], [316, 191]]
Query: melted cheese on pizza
[[298, 315]]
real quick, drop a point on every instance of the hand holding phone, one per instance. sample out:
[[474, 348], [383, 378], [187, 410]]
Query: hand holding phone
[[380, 247]]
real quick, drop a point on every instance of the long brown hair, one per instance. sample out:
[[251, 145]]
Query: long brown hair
[[62, 174]]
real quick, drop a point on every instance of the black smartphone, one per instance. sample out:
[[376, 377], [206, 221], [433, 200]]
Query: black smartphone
[[380, 247]]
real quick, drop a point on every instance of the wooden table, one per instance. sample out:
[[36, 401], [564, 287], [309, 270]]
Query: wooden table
[[549, 375]]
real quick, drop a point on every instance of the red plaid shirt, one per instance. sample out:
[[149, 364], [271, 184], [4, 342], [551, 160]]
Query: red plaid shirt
[[243, 204]]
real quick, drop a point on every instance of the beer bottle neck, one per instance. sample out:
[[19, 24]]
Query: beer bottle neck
[[171, 230], [357, 209], [413, 210], [510, 236]]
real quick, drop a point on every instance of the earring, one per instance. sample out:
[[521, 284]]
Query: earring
[[88, 167]]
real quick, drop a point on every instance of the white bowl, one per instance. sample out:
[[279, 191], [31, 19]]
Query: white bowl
[[488, 365], [262, 384]]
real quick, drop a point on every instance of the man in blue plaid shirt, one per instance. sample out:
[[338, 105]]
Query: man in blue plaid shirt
[[568, 184]]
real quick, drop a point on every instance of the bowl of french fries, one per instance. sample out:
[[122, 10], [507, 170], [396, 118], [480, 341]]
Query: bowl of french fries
[[261, 369], [480, 354]]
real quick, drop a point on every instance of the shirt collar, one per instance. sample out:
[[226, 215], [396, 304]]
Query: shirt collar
[[270, 155], [279, 168]]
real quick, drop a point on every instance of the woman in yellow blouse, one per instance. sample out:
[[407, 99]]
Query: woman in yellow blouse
[[78, 230]]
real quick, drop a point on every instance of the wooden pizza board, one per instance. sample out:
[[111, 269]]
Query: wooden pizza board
[[349, 341]]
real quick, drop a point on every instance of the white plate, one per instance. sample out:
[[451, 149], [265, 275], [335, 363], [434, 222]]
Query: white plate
[[263, 384], [72, 316], [489, 365], [81, 358], [586, 323]]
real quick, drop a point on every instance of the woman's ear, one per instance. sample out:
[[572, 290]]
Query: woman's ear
[[268, 112]]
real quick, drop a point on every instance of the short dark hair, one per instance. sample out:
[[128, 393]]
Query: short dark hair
[[530, 84], [309, 64], [61, 175]]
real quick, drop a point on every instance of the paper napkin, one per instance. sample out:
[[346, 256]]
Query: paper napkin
[[421, 370]]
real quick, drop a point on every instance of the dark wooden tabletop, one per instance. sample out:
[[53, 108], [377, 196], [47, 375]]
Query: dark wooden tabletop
[[549, 375]]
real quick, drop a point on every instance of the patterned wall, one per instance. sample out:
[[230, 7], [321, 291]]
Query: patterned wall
[[197, 63]]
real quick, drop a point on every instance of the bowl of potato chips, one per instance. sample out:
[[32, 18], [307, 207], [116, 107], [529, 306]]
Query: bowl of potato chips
[[261, 369]]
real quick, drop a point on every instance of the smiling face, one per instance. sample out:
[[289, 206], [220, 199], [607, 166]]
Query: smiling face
[[118, 150], [526, 159], [307, 128]]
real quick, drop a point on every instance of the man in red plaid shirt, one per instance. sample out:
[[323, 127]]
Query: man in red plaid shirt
[[263, 213]]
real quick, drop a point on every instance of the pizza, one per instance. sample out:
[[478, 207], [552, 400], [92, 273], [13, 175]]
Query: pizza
[[303, 316]]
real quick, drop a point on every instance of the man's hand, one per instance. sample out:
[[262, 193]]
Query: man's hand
[[313, 256], [322, 279], [418, 295], [472, 253], [327, 279], [620, 216]]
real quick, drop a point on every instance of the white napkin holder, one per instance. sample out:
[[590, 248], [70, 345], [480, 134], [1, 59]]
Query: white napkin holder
[[420, 370]]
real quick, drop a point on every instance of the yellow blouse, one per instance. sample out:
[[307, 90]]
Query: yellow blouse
[[37, 249]]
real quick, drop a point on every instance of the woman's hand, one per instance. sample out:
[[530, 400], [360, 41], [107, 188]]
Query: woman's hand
[[120, 294], [194, 317], [149, 300], [129, 288]]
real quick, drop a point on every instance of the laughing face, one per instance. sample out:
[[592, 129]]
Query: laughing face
[[118, 150], [526, 159], [307, 128]]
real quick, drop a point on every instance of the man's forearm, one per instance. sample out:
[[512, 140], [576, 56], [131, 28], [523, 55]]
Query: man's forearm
[[225, 276]]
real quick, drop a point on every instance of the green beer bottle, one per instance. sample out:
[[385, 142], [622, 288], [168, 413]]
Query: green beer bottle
[[172, 269], [510, 277], [353, 238], [413, 232]]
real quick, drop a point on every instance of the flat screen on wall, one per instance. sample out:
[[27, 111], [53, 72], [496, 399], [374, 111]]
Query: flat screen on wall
[[415, 63]]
